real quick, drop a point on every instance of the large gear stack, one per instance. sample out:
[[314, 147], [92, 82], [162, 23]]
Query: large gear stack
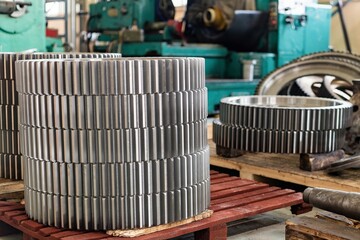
[[282, 124], [10, 156], [114, 143]]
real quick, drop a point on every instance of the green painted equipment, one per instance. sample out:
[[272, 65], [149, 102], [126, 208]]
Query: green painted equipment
[[22, 25], [278, 32]]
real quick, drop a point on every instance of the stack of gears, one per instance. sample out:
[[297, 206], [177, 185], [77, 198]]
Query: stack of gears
[[10, 156], [114, 143], [281, 124]]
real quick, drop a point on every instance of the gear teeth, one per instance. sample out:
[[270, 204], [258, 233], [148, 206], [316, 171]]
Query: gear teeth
[[109, 77], [113, 143], [281, 124], [9, 101]]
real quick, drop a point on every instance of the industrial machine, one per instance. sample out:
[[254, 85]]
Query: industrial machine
[[238, 40], [22, 25]]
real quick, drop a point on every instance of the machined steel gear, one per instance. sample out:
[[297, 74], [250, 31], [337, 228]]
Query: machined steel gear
[[102, 213], [282, 124], [110, 76], [9, 102], [285, 113], [277, 141], [7, 60], [116, 179], [114, 111], [113, 143]]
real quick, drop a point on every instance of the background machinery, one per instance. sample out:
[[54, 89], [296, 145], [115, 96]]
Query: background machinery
[[19, 20], [238, 39]]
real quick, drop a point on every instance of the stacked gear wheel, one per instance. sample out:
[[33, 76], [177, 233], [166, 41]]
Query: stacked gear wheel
[[282, 124], [114, 143], [10, 158]]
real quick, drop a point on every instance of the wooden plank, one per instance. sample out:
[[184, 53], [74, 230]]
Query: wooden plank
[[237, 190], [285, 167], [244, 195], [219, 175], [248, 200], [226, 185], [218, 232], [64, 234], [49, 230], [321, 229], [11, 189], [222, 180], [161, 228], [88, 236]]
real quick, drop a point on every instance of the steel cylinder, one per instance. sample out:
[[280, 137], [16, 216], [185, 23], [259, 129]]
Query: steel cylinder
[[340, 202], [114, 143], [10, 156]]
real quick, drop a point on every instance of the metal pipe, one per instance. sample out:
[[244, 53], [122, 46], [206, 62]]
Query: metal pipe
[[343, 25], [340, 202]]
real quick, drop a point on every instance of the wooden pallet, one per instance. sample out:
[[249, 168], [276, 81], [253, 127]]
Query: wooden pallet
[[284, 167], [232, 199], [323, 226], [11, 190]]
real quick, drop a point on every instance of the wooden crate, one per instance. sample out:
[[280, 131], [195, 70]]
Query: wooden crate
[[232, 199], [284, 167]]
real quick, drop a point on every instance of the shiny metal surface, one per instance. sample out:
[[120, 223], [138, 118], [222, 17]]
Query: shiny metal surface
[[110, 77], [285, 113], [9, 102], [114, 143], [113, 111], [277, 141], [282, 77], [282, 124]]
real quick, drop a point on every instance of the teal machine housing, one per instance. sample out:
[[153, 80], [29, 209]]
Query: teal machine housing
[[295, 28], [24, 29]]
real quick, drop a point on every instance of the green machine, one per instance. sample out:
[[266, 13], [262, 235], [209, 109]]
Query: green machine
[[238, 45], [22, 25]]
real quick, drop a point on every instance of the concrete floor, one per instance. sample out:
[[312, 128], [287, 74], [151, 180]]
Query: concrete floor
[[266, 226]]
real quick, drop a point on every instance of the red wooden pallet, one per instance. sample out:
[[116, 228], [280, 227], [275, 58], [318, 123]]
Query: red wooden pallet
[[232, 199]]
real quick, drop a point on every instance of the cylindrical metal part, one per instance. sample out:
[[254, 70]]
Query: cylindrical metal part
[[340, 202], [113, 143], [248, 69], [282, 124], [11, 164]]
